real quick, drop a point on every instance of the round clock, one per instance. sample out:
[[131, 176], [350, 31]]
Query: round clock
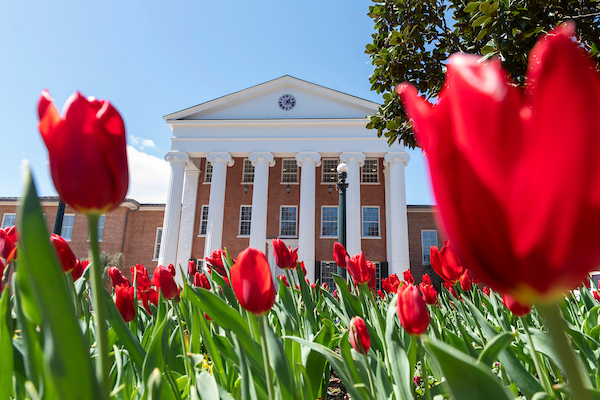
[[287, 102]]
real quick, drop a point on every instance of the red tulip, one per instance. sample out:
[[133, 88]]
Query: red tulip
[[596, 295], [192, 269], [451, 290], [252, 282], [380, 294], [201, 280], [486, 290], [385, 284], [164, 281], [412, 310], [116, 278], [372, 275], [1, 274], [429, 293], [339, 254], [359, 335], [517, 308], [215, 261], [465, 282], [87, 151], [395, 282], [285, 257], [8, 240], [336, 295], [171, 269], [426, 279], [147, 296], [358, 268], [302, 267], [503, 203], [63, 251], [324, 286], [314, 286], [124, 302], [140, 274], [283, 279], [446, 263], [80, 266], [408, 277]]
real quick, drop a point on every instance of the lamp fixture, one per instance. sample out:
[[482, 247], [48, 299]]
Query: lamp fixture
[[330, 189], [288, 189], [246, 189]]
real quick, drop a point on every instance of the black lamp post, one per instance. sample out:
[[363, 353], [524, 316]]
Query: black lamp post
[[342, 170], [60, 213]]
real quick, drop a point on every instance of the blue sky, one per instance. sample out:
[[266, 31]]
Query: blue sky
[[152, 58]]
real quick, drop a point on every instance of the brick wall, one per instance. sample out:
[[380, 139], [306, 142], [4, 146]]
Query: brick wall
[[140, 238], [420, 218]]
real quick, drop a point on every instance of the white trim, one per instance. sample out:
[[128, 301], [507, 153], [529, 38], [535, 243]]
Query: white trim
[[297, 173], [202, 215], [240, 220], [288, 236], [377, 172], [158, 228], [244, 171], [422, 252], [336, 218], [63, 227], [362, 214], [4, 225], [207, 167], [323, 161]]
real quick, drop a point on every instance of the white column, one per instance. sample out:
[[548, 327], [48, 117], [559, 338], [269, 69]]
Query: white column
[[260, 195], [398, 226], [170, 233], [353, 211], [388, 219], [306, 228], [188, 212], [216, 201]]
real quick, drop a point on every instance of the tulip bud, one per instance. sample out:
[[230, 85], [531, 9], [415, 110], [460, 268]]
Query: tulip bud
[[302, 267], [80, 266], [252, 282], [596, 295], [380, 294], [339, 254], [486, 290], [63, 251], [408, 277], [385, 284], [8, 240], [171, 269], [285, 257], [192, 269], [429, 293], [283, 279], [395, 282], [124, 302], [215, 261], [200, 280], [518, 309], [163, 280], [358, 268], [116, 278], [465, 282], [372, 275], [412, 310], [426, 279], [446, 263], [359, 335], [140, 274], [336, 295]]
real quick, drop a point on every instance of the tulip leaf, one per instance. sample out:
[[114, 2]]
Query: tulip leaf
[[65, 349], [314, 361], [397, 356], [466, 378], [350, 302], [207, 386], [491, 350], [279, 362], [6, 347]]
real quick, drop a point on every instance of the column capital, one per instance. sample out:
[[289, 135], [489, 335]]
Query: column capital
[[174, 156], [397, 156], [225, 157], [268, 157], [356, 156], [314, 156]]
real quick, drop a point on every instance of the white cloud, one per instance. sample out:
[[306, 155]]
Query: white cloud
[[148, 177], [141, 143]]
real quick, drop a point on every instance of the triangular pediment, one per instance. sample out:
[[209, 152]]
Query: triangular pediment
[[261, 102]]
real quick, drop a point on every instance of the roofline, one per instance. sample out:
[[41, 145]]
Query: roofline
[[129, 203]]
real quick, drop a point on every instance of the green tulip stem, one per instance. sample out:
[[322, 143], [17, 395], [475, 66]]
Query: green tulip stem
[[265, 351], [370, 374], [556, 327], [183, 343], [100, 311], [543, 376], [424, 374]]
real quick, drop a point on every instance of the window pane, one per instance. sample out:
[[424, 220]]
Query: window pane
[[8, 220], [245, 219], [327, 269], [329, 170], [204, 220], [289, 170], [208, 176], [100, 227], [67, 226], [288, 221], [370, 221], [157, 242], [428, 239], [370, 171], [248, 176], [329, 221]]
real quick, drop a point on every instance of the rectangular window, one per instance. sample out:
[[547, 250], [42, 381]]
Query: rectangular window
[[288, 223], [101, 227], [248, 175], [329, 221], [245, 219], [199, 265], [8, 220], [208, 172], [329, 170], [377, 275], [289, 170], [67, 226], [370, 171], [428, 239], [327, 269], [157, 242], [370, 221], [203, 220]]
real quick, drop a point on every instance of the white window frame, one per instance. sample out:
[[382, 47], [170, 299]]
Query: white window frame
[[293, 175], [281, 220], [247, 176], [323, 172], [208, 169], [157, 243], [336, 223], [199, 265], [100, 227], [329, 279], [376, 173], [362, 223], [240, 221], [63, 227], [423, 260], [200, 234], [5, 224]]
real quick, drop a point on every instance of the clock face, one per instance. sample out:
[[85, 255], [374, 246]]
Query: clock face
[[287, 102]]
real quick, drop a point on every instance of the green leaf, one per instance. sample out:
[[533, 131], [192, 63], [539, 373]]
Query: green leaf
[[279, 362], [397, 356], [207, 386], [65, 348], [479, 21], [493, 348], [6, 347], [472, 6], [467, 379], [314, 361]]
